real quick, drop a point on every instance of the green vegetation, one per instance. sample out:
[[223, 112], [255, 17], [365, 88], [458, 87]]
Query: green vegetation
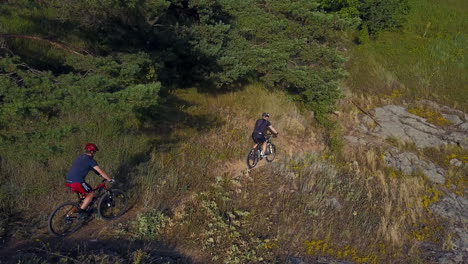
[[150, 224], [426, 60], [169, 90], [376, 16]]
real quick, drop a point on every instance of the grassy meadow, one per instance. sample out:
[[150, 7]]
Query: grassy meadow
[[425, 61]]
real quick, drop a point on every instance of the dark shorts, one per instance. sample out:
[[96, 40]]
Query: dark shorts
[[258, 138], [79, 187]]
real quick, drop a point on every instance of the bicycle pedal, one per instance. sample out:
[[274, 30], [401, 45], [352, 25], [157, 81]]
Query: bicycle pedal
[[84, 214], [83, 217]]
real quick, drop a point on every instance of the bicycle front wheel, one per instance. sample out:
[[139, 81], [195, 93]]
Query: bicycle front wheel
[[252, 158], [271, 152], [64, 219], [112, 204]]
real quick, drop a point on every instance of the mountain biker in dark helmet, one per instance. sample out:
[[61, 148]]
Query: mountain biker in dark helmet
[[258, 135], [78, 172]]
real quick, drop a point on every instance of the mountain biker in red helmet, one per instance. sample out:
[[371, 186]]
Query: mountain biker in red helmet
[[78, 172], [258, 135]]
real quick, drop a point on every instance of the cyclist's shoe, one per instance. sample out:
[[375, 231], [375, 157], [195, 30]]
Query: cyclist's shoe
[[262, 155], [83, 214]]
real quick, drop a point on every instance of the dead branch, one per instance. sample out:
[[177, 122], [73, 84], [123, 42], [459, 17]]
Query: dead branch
[[56, 44], [367, 113]]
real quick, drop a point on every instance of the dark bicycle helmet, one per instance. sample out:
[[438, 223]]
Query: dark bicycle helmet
[[265, 115], [91, 147]]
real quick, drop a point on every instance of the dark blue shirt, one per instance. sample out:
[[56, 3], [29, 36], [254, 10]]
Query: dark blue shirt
[[80, 168], [261, 125]]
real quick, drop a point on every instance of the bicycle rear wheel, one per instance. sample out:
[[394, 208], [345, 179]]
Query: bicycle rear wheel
[[112, 204], [64, 219], [252, 158], [271, 152]]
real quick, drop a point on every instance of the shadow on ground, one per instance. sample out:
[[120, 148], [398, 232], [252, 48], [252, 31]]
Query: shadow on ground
[[67, 250], [160, 125]]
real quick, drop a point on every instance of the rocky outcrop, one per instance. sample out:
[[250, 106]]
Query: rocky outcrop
[[395, 122], [409, 163], [453, 209]]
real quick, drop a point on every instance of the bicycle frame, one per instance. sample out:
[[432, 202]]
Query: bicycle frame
[[98, 190], [267, 141]]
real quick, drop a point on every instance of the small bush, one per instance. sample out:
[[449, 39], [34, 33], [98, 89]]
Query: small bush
[[139, 256], [225, 237], [150, 224]]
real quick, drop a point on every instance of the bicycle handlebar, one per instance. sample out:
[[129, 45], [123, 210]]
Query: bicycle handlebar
[[104, 180]]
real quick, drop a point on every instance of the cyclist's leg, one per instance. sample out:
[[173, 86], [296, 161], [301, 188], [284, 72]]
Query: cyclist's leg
[[264, 146], [262, 140], [84, 190], [88, 192], [254, 140]]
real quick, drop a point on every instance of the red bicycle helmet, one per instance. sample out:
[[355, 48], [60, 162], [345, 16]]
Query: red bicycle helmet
[[91, 147]]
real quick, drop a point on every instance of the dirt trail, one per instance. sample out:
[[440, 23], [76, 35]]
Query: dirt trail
[[95, 230], [97, 240]]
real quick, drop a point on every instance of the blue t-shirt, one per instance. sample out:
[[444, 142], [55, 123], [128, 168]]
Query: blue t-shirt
[[80, 168], [261, 125]]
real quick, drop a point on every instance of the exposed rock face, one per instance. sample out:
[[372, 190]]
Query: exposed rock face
[[454, 210], [463, 126], [410, 163], [456, 162], [397, 123], [454, 119]]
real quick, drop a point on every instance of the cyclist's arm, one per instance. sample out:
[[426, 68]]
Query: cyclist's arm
[[102, 173], [273, 130]]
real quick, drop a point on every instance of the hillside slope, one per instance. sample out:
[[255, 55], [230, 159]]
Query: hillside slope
[[194, 200]]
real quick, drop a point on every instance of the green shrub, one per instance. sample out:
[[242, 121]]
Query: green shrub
[[363, 36], [222, 234], [376, 15], [149, 225]]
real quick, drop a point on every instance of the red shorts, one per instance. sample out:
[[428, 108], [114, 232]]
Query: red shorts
[[79, 187]]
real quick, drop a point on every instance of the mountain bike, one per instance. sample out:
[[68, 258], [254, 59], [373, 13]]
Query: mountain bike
[[64, 219], [253, 157]]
